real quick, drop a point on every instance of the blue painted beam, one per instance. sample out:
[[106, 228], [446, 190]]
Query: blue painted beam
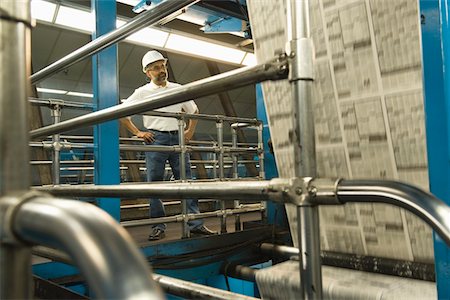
[[215, 24], [214, 21], [437, 113], [105, 88]]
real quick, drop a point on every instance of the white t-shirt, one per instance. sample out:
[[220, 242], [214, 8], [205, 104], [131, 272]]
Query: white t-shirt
[[161, 123]]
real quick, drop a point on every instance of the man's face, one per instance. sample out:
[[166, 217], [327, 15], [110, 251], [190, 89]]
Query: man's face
[[157, 72]]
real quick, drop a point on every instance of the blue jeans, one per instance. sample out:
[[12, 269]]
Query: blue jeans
[[156, 162]]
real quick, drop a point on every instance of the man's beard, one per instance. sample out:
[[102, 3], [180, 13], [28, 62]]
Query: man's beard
[[161, 77]]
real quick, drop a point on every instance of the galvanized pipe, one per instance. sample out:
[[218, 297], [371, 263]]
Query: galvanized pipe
[[151, 17], [86, 233], [61, 103], [237, 218], [426, 206], [215, 162], [248, 190], [208, 86], [14, 71], [300, 50], [262, 173], [219, 126], [202, 117], [56, 158], [223, 219], [192, 290], [185, 233], [129, 161], [234, 155], [143, 148], [15, 62], [204, 215]]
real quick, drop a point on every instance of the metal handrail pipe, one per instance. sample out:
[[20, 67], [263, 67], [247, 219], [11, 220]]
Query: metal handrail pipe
[[240, 190], [136, 139], [62, 145], [123, 147], [144, 148], [273, 70], [148, 18], [65, 162], [146, 205], [202, 117], [86, 233], [192, 142], [192, 290], [158, 148], [240, 150], [180, 218], [90, 137], [430, 209], [135, 223], [62, 103], [243, 125], [226, 161], [217, 149]]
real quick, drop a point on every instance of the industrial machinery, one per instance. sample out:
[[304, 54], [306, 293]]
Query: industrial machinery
[[283, 253]]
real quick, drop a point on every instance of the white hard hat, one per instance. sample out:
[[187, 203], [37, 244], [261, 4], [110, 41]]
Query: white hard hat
[[151, 57]]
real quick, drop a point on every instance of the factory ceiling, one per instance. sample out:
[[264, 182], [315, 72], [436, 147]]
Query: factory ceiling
[[51, 42]]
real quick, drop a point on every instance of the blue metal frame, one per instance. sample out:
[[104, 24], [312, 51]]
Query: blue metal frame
[[53, 270], [215, 22], [105, 88], [436, 99]]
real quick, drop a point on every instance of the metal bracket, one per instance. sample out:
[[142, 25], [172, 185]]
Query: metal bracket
[[324, 191], [300, 53], [305, 191]]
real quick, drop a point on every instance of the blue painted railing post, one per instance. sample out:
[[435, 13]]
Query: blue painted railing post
[[436, 81], [105, 86]]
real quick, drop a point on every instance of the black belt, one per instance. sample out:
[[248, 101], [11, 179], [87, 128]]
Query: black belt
[[167, 132]]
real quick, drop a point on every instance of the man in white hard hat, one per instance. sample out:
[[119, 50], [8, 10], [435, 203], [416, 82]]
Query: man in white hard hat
[[164, 131]]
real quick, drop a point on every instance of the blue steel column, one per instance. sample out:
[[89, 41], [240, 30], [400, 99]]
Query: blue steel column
[[436, 80], [105, 86]]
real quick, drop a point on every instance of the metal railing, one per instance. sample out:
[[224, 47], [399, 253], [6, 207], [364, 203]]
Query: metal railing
[[81, 229], [86, 233], [232, 149], [218, 149], [304, 191]]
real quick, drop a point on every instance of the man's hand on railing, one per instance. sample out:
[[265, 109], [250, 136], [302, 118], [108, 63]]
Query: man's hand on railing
[[188, 134], [146, 136]]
